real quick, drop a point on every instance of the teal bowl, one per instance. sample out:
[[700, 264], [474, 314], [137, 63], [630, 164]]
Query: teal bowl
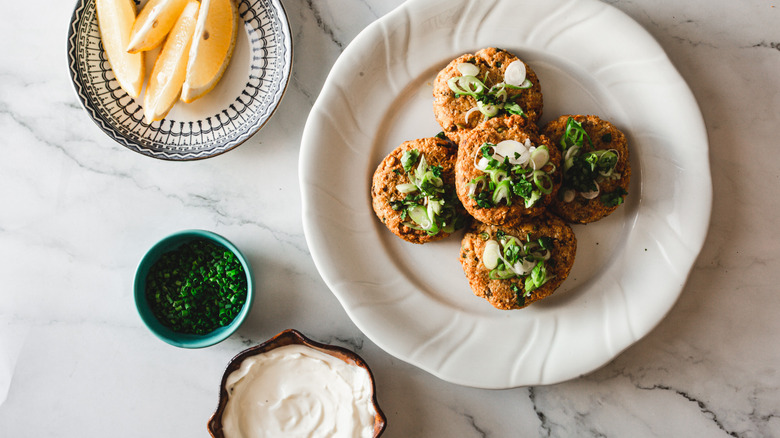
[[166, 334]]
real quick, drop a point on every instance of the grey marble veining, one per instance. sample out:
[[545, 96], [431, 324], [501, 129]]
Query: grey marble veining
[[78, 211]]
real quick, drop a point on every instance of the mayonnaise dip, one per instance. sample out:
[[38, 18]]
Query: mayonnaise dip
[[297, 391]]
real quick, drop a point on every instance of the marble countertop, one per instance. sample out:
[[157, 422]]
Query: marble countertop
[[78, 211]]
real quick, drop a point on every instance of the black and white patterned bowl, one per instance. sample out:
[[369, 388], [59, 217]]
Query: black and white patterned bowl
[[242, 102]]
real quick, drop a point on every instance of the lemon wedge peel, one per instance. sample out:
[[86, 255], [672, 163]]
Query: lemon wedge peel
[[212, 48], [115, 21], [153, 23], [167, 77]]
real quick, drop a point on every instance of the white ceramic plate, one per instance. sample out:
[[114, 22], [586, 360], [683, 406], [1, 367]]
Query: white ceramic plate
[[413, 301], [241, 103]]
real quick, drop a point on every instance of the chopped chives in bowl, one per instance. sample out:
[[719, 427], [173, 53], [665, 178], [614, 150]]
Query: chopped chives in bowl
[[193, 289], [196, 288]]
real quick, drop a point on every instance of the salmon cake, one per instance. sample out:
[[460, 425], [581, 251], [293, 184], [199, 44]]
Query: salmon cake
[[512, 267], [506, 174], [489, 83], [596, 169], [413, 190]]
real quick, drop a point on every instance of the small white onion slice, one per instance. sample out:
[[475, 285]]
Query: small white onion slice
[[491, 254], [514, 150], [539, 157], [524, 268], [469, 113], [481, 163], [572, 151], [468, 69], [515, 73], [593, 194]]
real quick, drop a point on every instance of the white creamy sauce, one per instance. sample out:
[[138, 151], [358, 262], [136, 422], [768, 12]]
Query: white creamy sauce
[[297, 391]]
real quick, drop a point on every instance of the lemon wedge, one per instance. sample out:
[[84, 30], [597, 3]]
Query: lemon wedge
[[212, 47], [169, 70], [115, 20], [153, 24]]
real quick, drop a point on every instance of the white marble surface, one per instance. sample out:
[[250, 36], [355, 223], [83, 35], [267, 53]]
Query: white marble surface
[[78, 211]]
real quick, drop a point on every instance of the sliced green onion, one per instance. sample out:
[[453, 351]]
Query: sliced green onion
[[491, 254], [434, 208], [508, 257], [413, 226], [537, 277], [422, 167], [477, 183], [435, 180], [543, 182], [466, 85], [497, 175], [420, 216], [539, 157], [574, 134], [406, 188], [489, 110], [501, 274], [524, 86], [530, 201], [503, 191]]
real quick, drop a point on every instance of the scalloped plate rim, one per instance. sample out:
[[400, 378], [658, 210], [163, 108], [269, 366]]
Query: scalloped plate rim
[[347, 291]]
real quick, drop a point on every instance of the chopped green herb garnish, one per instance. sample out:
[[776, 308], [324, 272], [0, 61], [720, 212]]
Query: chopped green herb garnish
[[581, 175], [196, 288], [514, 108], [574, 135], [491, 100], [509, 257], [520, 296], [584, 168], [484, 199], [522, 188], [508, 176], [613, 199], [428, 205], [409, 158]]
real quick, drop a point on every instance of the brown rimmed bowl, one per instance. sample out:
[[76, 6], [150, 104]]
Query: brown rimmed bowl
[[289, 337]]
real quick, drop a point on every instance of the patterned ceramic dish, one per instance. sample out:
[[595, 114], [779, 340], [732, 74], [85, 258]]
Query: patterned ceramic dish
[[242, 102], [292, 337]]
